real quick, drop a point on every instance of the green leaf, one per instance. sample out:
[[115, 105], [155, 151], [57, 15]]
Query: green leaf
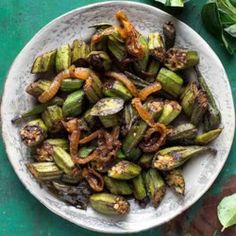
[[229, 42], [211, 19], [226, 211], [172, 3], [231, 30]]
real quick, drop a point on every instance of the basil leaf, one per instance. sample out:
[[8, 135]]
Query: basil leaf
[[226, 211], [231, 30], [227, 11], [229, 42]]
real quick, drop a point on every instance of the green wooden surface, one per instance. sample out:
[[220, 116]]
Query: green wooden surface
[[21, 213]]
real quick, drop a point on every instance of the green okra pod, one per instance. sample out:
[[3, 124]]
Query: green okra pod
[[52, 117], [170, 81], [212, 117], [45, 150], [44, 63], [63, 58], [182, 132], [139, 187], [79, 52], [116, 186], [38, 87], [208, 137], [109, 204], [156, 46], [62, 159], [155, 186], [170, 112], [114, 88], [73, 105], [44, 171], [173, 157], [38, 108], [124, 170], [71, 85]]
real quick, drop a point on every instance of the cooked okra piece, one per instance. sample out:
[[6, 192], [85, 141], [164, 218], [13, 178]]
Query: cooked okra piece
[[117, 48], [145, 161], [173, 157], [52, 117], [139, 187], [155, 186], [169, 32], [170, 81], [137, 80], [175, 180], [99, 60], [170, 111], [71, 85], [73, 104], [72, 179], [89, 119], [79, 52], [208, 137], [188, 98], [116, 186], [182, 132], [134, 154], [179, 59], [109, 204], [199, 108], [156, 46], [124, 170], [153, 68], [45, 171], [63, 58], [39, 108], [212, 117], [85, 151], [114, 88], [45, 150], [34, 132], [44, 63], [38, 87], [63, 159], [106, 109]]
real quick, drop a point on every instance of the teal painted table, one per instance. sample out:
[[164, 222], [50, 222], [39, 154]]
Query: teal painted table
[[20, 213]]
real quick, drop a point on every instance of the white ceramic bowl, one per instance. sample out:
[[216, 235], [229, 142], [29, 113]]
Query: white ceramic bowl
[[199, 173]]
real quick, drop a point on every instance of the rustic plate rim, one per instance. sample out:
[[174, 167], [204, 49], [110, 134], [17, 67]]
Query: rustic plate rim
[[58, 212]]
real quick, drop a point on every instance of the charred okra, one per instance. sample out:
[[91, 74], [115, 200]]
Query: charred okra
[[179, 59], [79, 52], [52, 117], [99, 60], [169, 32], [109, 204], [175, 179], [37, 88], [45, 150], [155, 186], [44, 63], [71, 85], [34, 132], [173, 157]]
